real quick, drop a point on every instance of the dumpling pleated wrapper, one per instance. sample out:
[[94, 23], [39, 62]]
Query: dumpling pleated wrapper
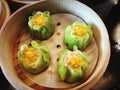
[[72, 66], [78, 34], [40, 25], [34, 57]]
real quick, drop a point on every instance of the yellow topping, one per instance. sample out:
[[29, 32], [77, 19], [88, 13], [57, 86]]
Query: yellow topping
[[39, 20], [30, 56], [80, 30], [75, 62]]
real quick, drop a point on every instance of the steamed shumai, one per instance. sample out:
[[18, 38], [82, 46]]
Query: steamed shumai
[[40, 25], [78, 34], [34, 57], [72, 65]]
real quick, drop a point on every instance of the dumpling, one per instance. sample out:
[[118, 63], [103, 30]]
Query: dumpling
[[34, 57], [40, 25], [72, 66], [78, 34]]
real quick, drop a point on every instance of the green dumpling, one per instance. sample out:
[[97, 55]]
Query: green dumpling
[[34, 57], [78, 34], [40, 25], [72, 66]]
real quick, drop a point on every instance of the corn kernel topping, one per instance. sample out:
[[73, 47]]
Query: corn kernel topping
[[39, 20], [79, 30], [75, 62], [30, 55]]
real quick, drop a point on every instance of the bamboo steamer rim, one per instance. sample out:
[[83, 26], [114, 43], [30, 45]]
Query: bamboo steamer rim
[[25, 1], [5, 6]]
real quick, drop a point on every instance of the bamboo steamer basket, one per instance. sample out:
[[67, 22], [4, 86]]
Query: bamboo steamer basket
[[63, 12]]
